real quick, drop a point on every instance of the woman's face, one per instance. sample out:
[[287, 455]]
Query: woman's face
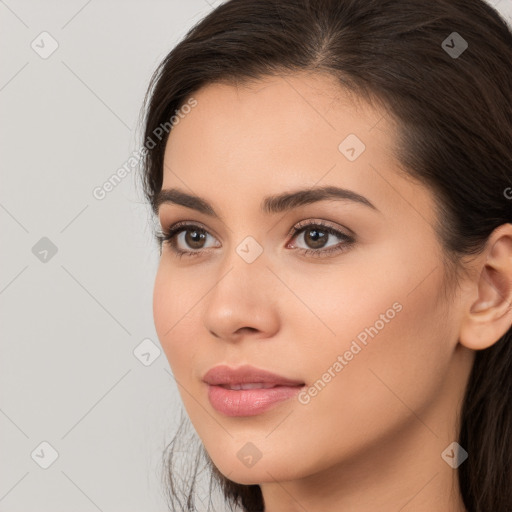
[[360, 319]]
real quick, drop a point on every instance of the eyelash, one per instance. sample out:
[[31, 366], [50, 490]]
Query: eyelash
[[167, 237]]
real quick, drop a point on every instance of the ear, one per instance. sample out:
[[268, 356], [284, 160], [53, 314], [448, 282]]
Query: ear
[[489, 313]]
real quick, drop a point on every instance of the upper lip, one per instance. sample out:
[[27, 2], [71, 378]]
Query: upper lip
[[222, 375]]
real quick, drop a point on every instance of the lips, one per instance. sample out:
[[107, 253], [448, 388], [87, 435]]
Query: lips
[[246, 377], [252, 385], [247, 391]]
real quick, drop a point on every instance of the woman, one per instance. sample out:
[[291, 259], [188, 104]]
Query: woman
[[333, 180]]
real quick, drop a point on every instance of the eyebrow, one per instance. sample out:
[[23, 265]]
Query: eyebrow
[[270, 205]]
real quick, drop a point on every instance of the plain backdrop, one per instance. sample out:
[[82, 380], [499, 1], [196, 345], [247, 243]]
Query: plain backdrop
[[87, 399]]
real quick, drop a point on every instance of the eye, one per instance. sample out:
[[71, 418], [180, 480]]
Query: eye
[[314, 233], [190, 235]]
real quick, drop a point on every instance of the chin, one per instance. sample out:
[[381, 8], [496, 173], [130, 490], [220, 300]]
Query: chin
[[262, 471]]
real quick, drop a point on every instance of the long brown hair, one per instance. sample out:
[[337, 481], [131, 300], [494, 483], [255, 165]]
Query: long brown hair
[[453, 108]]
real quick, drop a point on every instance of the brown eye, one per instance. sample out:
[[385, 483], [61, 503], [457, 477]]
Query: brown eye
[[185, 239], [315, 236], [195, 238]]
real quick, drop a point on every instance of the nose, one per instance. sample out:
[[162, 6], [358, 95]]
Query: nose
[[244, 300]]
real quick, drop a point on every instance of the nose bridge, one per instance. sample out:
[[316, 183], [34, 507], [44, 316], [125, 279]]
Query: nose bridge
[[246, 264], [245, 242]]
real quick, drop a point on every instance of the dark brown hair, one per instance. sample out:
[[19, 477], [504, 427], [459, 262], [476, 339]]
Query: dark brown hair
[[453, 114]]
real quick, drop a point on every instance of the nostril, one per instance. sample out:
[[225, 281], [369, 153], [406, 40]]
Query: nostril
[[250, 329]]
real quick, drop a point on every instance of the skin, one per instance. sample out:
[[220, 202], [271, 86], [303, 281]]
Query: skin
[[372, 438]]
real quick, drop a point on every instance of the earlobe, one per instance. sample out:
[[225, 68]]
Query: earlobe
[[489, 315]]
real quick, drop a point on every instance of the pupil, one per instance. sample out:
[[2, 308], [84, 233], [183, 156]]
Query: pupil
[[317, 239], [198, 236]]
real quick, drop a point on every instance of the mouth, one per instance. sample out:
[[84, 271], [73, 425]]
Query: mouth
[[246, 390], [224, 375], [250, 401], [253, 385]]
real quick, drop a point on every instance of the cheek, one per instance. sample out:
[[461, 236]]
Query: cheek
[[392, 337], [173, 302], [386, 320], [360, 299]]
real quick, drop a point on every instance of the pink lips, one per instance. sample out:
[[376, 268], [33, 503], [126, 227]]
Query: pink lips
[[266, 389]]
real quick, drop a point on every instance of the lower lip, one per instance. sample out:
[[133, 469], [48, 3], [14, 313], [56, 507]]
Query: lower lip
[[248, 402]]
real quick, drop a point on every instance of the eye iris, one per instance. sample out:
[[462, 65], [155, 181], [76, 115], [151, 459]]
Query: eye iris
[[317, 239], [198, 235]]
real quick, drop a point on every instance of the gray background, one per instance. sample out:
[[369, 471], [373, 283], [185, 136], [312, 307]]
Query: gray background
[[72, 320]]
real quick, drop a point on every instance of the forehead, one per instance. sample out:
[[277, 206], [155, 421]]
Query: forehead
[[278, 110], [284, 133], [276, 121]]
